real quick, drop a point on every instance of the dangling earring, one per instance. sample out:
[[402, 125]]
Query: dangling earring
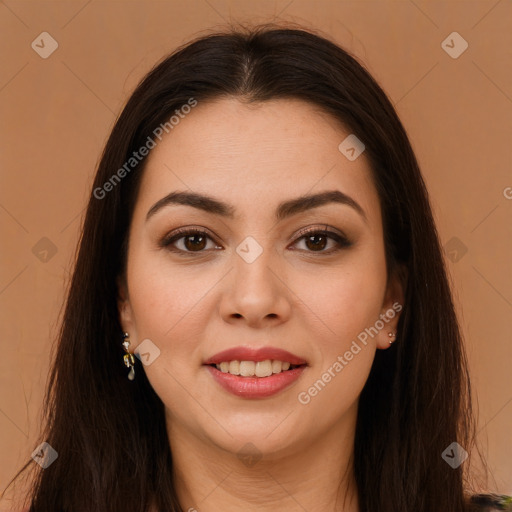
[[128, 358], [392, 336]]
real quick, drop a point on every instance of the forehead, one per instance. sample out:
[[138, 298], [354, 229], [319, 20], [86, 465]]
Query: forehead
[[255, 154]]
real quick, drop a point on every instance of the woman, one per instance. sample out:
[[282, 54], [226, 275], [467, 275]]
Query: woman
[[259, 315]]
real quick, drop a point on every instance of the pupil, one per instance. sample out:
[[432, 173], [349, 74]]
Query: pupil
[[197, 245], [316, 244]]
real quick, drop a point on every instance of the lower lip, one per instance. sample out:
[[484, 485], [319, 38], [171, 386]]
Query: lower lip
[[256, 387]]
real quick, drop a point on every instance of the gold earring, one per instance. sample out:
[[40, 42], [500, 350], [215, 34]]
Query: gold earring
[[392, 335], [128, 358]]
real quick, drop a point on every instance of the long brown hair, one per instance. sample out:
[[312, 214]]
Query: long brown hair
[[109, 432]]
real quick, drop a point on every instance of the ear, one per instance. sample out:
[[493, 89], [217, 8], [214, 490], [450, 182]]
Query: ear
[[391, 308], [124, 307]]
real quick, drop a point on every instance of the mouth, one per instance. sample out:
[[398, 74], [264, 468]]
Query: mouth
[[259, 369], [255, 373]]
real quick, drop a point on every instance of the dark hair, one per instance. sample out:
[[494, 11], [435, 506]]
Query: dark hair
[[110, 435]]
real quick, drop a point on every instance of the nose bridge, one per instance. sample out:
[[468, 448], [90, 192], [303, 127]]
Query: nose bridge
[[253, 262], [256, 290]]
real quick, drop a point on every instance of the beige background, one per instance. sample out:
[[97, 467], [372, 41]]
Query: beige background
[[57, 112]]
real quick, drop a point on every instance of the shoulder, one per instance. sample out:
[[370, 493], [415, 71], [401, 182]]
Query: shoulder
[[489, 503]]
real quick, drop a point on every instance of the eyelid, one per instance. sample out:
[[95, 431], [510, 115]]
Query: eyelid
[[342, 241], [320, 228], [175, 235]]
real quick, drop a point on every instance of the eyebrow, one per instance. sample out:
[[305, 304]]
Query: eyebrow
[[285, 209]]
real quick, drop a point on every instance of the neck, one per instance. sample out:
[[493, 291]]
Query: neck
[[317, 476]]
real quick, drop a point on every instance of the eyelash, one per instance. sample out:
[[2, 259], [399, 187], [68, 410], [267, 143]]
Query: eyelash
[[341, 240]]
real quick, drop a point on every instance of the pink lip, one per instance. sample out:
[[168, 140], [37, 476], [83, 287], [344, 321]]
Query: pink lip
[[254, 354], [255, 387]]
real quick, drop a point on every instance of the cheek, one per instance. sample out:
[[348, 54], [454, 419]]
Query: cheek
[[344, 352], [342, 304], [169, 303], [170, 307], [345, 300]]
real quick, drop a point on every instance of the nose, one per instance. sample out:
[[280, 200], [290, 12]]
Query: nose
[[256, 293]]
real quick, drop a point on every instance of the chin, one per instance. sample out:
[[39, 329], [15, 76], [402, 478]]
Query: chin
[[273, 436]]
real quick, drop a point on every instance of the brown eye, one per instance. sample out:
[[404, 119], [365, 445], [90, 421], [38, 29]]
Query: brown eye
[[317, 240], [194, 242], [187, 241]]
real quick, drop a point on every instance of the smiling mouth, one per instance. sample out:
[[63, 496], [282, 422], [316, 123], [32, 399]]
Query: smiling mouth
[[255, 369]]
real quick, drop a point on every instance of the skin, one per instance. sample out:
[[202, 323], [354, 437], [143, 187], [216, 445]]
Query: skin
[[293, 296]]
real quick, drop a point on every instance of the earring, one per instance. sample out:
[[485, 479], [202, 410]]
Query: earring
[[128, 358], [392, 336]]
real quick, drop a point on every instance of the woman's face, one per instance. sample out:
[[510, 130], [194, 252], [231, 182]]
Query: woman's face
[[261, 274]]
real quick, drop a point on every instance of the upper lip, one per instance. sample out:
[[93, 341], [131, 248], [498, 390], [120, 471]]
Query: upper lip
[[254, 354]]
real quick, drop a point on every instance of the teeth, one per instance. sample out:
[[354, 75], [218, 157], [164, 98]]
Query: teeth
[[247, 368], [234, 367], [251, 368], [263, 368]]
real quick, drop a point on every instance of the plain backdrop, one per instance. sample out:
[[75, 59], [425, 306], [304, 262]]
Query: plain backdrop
[[56, 112]]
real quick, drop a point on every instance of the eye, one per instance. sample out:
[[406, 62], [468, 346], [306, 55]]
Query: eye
[[194, 240], [316, 240]]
